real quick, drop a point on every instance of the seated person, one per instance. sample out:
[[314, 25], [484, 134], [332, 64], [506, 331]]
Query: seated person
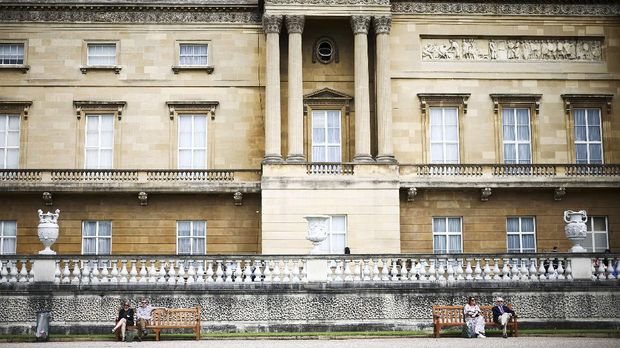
[[502, 314], [143, 316], [474, 320], [124, 319]]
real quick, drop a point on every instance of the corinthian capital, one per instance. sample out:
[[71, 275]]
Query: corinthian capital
[[382, 24], [295, 24], [360, 24], [272, 24]]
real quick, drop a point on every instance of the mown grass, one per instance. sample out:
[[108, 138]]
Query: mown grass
[[323, 335]]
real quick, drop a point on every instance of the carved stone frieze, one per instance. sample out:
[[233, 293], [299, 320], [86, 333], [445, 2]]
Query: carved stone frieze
[[272, 24], [295, 24], [382, 24], [328, 2], [360, 24], [506, 8], [512, 49]]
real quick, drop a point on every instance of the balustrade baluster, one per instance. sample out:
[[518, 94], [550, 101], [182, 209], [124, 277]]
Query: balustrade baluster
[[375, 270], [191, 272], [152, 273], [12, 265], [75, 274], [431, 270], [296, 272], [162, 272], [348, 274], [172, 273], [66, 274], [617, 268], [3, 272], [441, 271], [477, 270], [143, 273], [267, 272], [384, 270], [181, 274], [568, 271], [357, 270], [394, 271], [488, 275], [105, 275], [451, 278], [560, 271], [304, 271], [541, 270], [459, 270], [593, 269], [209, 272], [57, 273], [86, 273], [277, 272], [423, 273], [23, 272], [600, 271], [219, 272], [94, 274], [469, 271], [516, 270], [524, 270], [532, 270], [506, 270], [133, 273], [258, 274], [551, 273], [123, 272], [496, 270], [286, 272], [200, 272], [365, 269]]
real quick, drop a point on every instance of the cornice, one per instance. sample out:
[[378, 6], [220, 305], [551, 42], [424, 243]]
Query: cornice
[[509, 8]]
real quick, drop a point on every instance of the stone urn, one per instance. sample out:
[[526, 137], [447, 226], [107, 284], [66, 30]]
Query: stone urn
[[576, 228], [48, 230], [317, 231]]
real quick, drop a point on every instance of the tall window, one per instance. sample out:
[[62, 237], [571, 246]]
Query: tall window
[[596, 236], [588, 140], [193, 54], [101, 54], [9, 141], [336, 236], [192, 142], [447, 235], [8, 237], [517, 136], [11, 53], [99, 141], [191, 237], [326, 136], [97, 237], [444, 125], [521, 234]]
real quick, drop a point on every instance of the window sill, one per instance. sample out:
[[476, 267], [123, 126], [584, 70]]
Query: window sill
[[85, 68], [208, 68], [20, 67]]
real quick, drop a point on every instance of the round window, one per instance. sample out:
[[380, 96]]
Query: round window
[[324, 50]]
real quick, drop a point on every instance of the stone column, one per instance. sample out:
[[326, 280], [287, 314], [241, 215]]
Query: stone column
[[384, 90], [295, 26], [272, 25], [360, 25]]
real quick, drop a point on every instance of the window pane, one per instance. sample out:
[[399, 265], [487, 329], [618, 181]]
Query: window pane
[[339, 224], [107, 123], [319, 154], [593, 117], [9, 228], [90, 246], [439, 225], [333, 154], [599, 223], [9, 246], [600, 242], [90, 228], [199, 228], [595, 153], [510, 152], [523, 117], [107, 139], [581, 152], [527, 224], [437, 153], [451, 133], [333, 119], [587, 243], [199, 160], [184, 245], [514, 243], [105, 228], [12, 158], [524, 153], [580, 117], [105, 162], [439, 244], [183, 228], [454, 225], [338, 243], [528, 243], [436, 132], [91, 158], [13, 123], [198, 246], [523, 133], [509, 133], [318, 135], [450, 116], [185, 159], [452, 153], [508, 116], [580, 133], [105, 246], [333, 135], [455, 244]]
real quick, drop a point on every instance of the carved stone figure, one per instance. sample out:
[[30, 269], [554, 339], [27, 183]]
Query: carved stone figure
[[470, 50], [492, 49]]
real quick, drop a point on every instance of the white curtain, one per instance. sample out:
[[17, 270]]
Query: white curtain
[[9, 235], [193, 54], [12, 53], [439, 244], [9, 141], [99, 141], [192, 142], [101, 54], [326, 136], [444, 135]]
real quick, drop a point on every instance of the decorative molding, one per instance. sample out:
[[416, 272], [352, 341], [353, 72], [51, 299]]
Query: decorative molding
[[559, 193], [295, 24], [47, 198], [512, 49], [360, 24], [238, 198], [382, 24], [571, 99], [315, 50], [208, 68], [412, 192], [81, 106], [329, 2], [204, 106], [506, 8], [327, 96], [19, 106], [143, 197], [427, 99], [130, 13], [19, 67], [116, 68], [272, 24], [485, 194], [526, 99]]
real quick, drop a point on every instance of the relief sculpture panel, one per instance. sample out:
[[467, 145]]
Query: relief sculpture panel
[[512, 49]]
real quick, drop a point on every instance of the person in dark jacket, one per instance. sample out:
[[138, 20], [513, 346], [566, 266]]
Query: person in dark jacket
[[502, 314], [124, 319]]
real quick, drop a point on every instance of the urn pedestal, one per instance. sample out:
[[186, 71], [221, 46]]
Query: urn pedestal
[[576, 228], [317, 231], [48, 230]]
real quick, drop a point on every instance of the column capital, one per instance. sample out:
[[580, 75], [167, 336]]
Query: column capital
[[272, 24], [360, 24], [295, 24], [382, 24]]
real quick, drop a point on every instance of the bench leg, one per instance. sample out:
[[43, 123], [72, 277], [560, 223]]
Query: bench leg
[[436, 329], [157, 334]]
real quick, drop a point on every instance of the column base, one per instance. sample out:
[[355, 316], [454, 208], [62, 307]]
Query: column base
[[387, 159], [363, 158], [296, 158], [272, 159]]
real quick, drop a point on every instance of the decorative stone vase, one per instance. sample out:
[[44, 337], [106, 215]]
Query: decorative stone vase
[[576, 228], [48, 230], [317, 231]]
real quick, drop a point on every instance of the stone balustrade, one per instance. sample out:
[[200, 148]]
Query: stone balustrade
[[209, 271]]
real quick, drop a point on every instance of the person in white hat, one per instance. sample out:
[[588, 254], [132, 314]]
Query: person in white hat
[[502, 314]]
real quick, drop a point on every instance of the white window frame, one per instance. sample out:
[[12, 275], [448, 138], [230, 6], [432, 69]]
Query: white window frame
[[3, 237], [7, 56], [193, 44], [324, 146], [443, 141], [447, 234], [331, 232], [4, 147], [516, 142], [192, 148], [591, 233], [96, 237], [90, 45], [520, 233], [588, 142], [191, 236], [98, 147]]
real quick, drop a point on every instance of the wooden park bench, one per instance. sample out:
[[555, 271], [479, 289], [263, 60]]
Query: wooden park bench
[[453, 316], [175, 318]]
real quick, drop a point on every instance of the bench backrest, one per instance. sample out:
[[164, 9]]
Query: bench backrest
[[175, 316], [454, 314]]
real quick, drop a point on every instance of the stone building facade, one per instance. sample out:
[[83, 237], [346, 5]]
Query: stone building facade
[[215, 126]]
